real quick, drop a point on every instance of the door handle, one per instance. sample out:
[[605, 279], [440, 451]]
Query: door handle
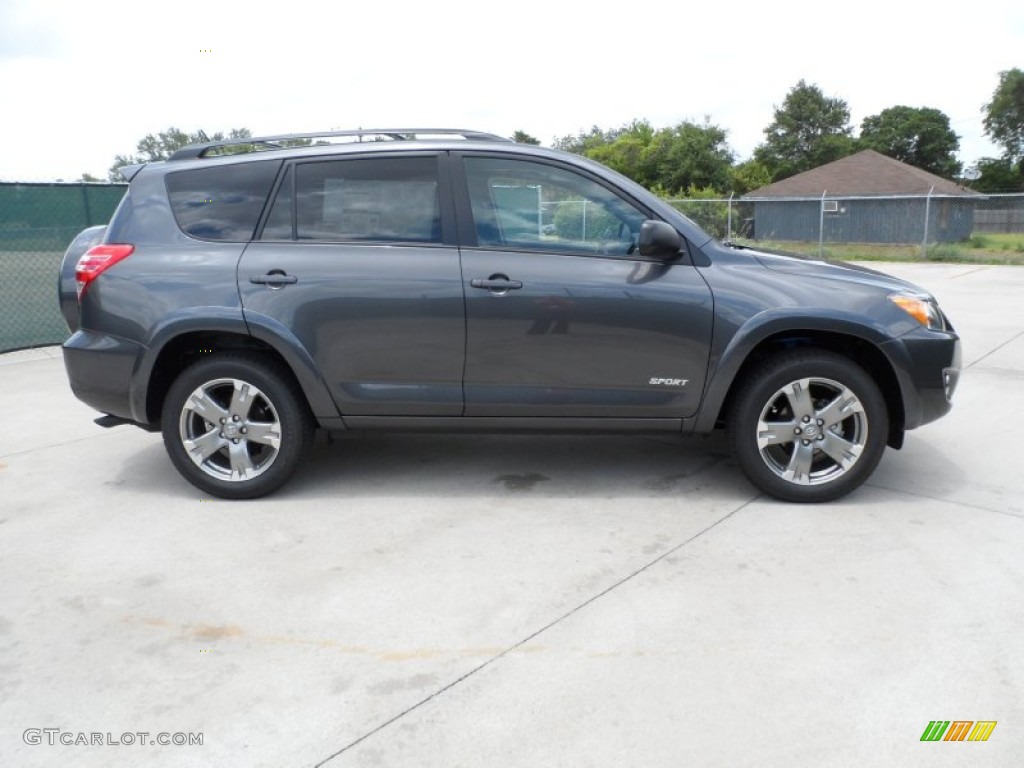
[[273, 279], [496, 283]]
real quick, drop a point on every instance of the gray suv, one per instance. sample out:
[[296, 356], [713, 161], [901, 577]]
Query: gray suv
[[248, 292]]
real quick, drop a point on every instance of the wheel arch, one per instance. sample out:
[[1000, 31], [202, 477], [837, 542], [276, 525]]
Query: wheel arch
[[180, 344], [738, 361]]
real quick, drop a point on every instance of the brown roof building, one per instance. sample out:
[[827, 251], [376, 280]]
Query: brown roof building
[[863, 198], [867, 173]]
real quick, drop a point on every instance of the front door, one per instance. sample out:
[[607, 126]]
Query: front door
[[564, 318]]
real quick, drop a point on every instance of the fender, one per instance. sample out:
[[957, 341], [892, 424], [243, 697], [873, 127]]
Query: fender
[[230, 320], [297, 357], [724, 367]]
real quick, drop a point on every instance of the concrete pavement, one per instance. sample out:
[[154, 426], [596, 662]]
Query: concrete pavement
[[518, 601]]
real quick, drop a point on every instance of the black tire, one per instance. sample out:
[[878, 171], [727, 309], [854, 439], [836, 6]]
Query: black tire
[[790, 444], [266, 429]]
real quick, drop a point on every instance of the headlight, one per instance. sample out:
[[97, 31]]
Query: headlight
[[924, 310]]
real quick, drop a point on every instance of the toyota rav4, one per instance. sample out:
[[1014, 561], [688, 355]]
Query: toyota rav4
[[246, 293]]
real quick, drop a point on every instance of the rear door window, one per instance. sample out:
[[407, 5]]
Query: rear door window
[[382, 199]]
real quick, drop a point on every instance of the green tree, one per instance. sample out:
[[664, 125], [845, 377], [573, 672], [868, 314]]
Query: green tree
[[999, 175], [920, 136], [626, 150], [809, 130], [89, 177], [690, 155], [748, 176], [583, 141], [522, 137], [161, 146], [1004, 115], [668, 159]]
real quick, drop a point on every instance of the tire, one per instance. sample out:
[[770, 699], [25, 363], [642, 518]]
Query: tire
[[236, 426], [808, 426]]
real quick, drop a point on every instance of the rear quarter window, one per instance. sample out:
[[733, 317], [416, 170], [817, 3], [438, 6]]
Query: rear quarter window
[[222, 202]]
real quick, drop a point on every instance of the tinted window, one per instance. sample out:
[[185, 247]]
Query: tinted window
[[221, 202], [368, 199], [533, 206]]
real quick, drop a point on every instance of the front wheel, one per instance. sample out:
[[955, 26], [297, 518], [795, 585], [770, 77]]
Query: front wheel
[[235, 426], [808, 426]]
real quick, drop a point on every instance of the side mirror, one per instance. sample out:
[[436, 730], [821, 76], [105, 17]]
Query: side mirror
[[659, 240]]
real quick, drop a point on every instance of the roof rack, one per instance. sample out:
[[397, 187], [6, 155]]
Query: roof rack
[[279, 141]]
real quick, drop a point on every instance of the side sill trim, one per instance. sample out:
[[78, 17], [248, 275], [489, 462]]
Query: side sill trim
[[511, 424]]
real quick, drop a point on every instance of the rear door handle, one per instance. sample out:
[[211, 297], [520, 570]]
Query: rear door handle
[[496, 283], [274, 279]]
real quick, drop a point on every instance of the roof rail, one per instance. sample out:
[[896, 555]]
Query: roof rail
[[280, 141]]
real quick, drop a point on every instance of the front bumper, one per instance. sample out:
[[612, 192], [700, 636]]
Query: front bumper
[[927, 365]]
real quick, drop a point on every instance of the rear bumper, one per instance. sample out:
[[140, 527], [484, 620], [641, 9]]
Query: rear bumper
[[927, 364], [100, 370]]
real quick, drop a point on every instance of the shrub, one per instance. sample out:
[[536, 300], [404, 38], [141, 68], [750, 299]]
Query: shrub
[[568, 222], [945, 252]]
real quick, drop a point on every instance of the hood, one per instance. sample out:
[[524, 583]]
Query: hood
[[831, 270]]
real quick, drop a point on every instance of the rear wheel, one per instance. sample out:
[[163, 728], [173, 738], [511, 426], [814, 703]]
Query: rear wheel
[[808, 426], [236, 426]]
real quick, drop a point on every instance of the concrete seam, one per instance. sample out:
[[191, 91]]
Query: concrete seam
[[536, 633], [993, 351], [954, 502], [110, 431], [971, 272]]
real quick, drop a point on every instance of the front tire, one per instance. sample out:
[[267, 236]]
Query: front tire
[[808, 426], [235, 425]]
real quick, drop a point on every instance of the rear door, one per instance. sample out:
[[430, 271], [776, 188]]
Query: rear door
[[357, 260], [564, 318]]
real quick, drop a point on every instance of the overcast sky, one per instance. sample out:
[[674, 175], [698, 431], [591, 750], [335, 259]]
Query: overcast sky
[[83, 81]]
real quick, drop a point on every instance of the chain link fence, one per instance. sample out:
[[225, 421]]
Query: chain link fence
[[37, 221], [927, 226]]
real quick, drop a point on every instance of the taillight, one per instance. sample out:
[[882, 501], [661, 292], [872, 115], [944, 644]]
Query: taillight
[[98, 260]]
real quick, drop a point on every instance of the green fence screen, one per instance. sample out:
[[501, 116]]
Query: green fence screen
[[37, 221]]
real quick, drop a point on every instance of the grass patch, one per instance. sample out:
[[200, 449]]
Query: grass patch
[[998, 242], [979, 249]]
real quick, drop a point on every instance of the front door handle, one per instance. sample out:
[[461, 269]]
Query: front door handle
[[274, 278], [496, 283]]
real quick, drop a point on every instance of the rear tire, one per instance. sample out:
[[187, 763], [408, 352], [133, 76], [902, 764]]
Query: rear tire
[[808, 426], [236, 425]]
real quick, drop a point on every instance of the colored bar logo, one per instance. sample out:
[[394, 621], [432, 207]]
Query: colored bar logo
[[958, 730]]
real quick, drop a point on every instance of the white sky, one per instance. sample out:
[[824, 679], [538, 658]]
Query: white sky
[[83, 81]]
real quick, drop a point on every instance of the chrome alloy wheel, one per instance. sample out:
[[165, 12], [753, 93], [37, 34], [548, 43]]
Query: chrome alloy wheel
[[812, 431], [230, 430]]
